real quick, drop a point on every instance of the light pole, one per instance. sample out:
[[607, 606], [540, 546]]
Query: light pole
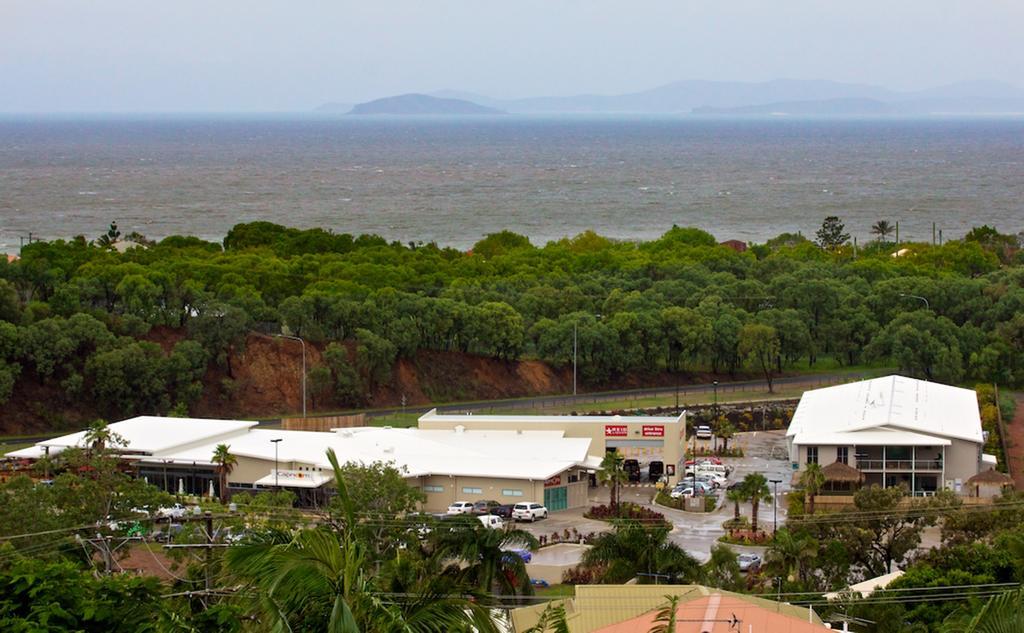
[[926, 304], [715, 409], [303, 343], [574, 346], [275, 442], [775, 506]]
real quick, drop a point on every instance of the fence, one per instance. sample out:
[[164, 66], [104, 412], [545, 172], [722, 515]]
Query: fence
[[324, 423]]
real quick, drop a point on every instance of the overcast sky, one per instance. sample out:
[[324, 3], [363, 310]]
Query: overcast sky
[[242, 55]]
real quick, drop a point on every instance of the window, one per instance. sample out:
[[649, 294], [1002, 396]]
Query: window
[[511, 492], [433, 488], [469, 490], [843, 454], [812, 454]]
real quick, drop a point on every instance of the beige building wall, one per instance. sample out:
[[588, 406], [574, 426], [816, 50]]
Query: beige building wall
[[673, 440], [443, 490]]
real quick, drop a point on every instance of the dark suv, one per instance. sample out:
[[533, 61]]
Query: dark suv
[[486, 506], [632, 467], [656, 470]]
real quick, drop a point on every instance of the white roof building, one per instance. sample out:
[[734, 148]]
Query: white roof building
[[895, 429]]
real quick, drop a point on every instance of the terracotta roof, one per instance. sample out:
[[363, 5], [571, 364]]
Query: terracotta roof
[[718, 613], [990, 476], [838, 471]]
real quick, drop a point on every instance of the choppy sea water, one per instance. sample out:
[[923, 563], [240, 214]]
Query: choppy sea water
[[452, 181]]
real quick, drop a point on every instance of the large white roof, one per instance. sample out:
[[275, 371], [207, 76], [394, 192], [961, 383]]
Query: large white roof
[[907, 410], [500, 454], [152, 434]]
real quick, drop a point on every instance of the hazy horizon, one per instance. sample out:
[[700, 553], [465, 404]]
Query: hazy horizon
[[232, 56]]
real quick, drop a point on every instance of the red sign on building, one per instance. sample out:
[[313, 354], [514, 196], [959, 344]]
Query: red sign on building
[[554, 481], [653, 430], [615, 430]]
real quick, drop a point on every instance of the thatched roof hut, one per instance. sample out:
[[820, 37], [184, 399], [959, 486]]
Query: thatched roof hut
[[988, 483], [839, 472]]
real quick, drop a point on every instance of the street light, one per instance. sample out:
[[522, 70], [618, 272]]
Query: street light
[[275, 442], [775, 505], [296, 338], [926, 304], [715, 385]]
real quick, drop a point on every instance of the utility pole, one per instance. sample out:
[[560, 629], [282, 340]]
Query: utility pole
[[208, 516], [574, 346], [303, 343], [275, 442]]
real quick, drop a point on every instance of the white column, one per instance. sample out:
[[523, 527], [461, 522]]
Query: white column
[[913, 470], [884, 483]]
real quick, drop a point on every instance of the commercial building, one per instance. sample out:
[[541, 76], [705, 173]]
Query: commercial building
[[446, 464], [894, 430], [645, 439]]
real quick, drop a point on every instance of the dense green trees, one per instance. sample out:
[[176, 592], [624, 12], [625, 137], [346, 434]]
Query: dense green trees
[[678, 303]]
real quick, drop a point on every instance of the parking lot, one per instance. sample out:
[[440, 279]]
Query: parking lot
[[764, 452]]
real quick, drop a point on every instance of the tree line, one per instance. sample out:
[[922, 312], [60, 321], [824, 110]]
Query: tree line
[[75, 314]]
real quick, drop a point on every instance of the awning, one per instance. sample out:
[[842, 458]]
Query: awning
[[294, 479]]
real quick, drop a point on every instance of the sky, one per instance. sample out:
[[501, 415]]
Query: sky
[[269, 55]]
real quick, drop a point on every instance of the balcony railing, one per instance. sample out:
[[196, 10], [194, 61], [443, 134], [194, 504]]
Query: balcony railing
[[899, 464]]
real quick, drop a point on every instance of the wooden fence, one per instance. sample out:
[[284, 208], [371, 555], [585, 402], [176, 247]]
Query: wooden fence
[[323, 423]]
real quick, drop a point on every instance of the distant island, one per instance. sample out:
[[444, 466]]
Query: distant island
[[729, 98], [420, 104]]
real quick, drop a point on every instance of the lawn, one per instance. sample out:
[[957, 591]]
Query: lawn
[[7, 447]]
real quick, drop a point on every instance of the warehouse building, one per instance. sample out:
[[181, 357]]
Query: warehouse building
[[447, 465], [647, 439]]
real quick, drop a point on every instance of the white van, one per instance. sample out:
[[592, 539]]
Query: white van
[[717, 469], [492, 521]]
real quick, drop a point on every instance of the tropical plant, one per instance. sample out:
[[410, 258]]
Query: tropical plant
[[832, 233], [613, 475], [725, 432], [552, 619], [723, 569], [492, 564], [317, 579], [882, 229], [224, 462], [755, 489], [636, 549], [1003, 613], [790, 553], [737, 495], [812, 480], [665, 620], [98, 437]]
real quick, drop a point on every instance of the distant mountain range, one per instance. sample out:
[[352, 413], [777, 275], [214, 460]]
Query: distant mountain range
[[780, 96]]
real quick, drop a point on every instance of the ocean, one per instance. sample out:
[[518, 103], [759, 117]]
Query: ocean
[[452, 181]]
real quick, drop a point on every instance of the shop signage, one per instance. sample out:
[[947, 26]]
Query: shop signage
[[554, 481], [292, 474], [653, 430], [615, 430]]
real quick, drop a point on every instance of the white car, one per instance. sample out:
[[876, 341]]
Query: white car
[[703, 432], [714, 479], [461, 507], [492, 521], [529, 512]]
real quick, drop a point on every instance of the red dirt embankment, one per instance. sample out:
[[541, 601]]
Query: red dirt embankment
[[1015, 444]]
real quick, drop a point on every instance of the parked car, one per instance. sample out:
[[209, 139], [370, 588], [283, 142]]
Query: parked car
[[529, 512], [700, 487], [524, 554], [734, 485], [492, 521], [749, 562], [485, 507], [504, 511], [655, 471], [716, 480], [681, 492], [461, 507], [703, 432], [704, 460], [632, 467]]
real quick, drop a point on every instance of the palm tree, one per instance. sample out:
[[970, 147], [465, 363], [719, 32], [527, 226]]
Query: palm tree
[[789, 552], [665, 621], [812, 480], [613, 475], [755, 488], [723, 569], [736, 495], [492, 566], [633, 548], [316, 580], [1001, 613], [882, 228], [552, 618], [725, 432], [98, 437], [225, 463]]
